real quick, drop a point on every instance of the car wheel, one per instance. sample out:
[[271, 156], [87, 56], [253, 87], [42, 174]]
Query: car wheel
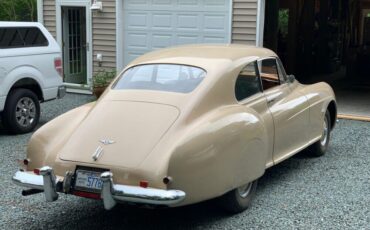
[[240, 198], [22, 111], [321, 146]]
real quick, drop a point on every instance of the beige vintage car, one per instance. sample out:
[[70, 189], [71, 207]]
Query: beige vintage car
[[179, 126]]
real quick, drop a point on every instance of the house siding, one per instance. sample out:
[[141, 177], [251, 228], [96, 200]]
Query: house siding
[[49, 16], [104, 36], [244, 21]]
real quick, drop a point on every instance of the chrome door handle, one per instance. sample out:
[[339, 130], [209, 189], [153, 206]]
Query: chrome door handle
[[270, 101]]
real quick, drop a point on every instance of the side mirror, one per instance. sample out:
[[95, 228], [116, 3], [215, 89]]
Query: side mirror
[[291, 78]]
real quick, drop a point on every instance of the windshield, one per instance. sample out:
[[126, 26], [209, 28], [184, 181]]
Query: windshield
[[161, 77]]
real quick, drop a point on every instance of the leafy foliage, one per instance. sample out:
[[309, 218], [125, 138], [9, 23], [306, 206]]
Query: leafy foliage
[[284, 21], [103, 78], [18, 10]]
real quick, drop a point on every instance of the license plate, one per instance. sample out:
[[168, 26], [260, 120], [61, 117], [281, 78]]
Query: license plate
[[88, 181]]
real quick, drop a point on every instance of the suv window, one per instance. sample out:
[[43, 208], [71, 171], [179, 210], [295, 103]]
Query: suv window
[[21, 37], [161, 77], [269, 72], [248, 82]]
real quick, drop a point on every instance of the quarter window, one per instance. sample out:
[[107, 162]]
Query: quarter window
[[269, 73], [21, 37], [248, 82]]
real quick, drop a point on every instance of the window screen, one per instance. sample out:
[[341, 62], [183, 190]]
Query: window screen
[[21, 37], [161, 77], [248, 82]]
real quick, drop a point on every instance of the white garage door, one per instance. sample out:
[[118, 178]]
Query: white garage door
[[155, 24]]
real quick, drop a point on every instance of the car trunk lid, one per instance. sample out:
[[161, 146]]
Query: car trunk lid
[[126, 131]]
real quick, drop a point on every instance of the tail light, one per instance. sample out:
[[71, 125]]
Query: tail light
[[36, 171], [144, 184], [58, 65]]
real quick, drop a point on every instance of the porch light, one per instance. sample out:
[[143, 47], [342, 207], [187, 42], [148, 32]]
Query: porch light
[[97, 6]]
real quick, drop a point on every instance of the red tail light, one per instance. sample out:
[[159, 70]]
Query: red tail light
[[58, 66], [36, 171], [144, 184]]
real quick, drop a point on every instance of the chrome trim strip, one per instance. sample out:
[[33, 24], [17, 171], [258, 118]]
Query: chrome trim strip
[[98, 152], [112, 193], [28, 180]]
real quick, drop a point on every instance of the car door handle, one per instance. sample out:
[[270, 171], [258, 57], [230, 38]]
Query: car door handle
[[270, 101]]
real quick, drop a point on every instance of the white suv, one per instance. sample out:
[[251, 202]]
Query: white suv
[[30, 72]]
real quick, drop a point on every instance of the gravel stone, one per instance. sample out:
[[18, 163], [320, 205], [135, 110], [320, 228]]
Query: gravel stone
[[330, 192]]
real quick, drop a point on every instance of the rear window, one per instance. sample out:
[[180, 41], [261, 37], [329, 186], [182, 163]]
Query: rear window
[[19, 37], [161, 77]]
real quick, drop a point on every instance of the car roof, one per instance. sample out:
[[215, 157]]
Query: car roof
[[204, 55]]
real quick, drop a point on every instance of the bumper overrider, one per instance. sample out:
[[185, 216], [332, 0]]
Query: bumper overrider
[[111, 193]]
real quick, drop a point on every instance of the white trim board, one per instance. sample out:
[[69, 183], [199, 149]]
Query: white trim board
[[40, 11], [119, 35], [260, 22]]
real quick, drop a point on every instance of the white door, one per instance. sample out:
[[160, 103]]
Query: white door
[[155, 24]]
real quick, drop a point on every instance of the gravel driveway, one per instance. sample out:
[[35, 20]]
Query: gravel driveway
[[331, 192]]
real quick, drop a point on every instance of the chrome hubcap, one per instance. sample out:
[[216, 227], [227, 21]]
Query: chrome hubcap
[[325, 132], [245, 190], [25, 112]]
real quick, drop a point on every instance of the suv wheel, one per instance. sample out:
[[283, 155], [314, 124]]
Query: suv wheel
[[22, 111]]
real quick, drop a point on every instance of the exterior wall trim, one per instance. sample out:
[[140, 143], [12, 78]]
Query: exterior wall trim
[[89, 58], [260, 22], [40, 11], [119, 35], [231, 12]]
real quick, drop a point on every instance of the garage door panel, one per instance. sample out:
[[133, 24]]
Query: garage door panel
[[136, 20], [182, 39], [209, 39], [155, 24], [215, 23], [161, 41], [162, 21], [136, 4], [188, 22], [137, 40]]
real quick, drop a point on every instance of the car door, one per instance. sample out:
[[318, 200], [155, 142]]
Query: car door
[[248, 92], [288, 107]]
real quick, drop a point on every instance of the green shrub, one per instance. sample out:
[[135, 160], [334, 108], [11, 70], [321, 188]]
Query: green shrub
[[103, 78]]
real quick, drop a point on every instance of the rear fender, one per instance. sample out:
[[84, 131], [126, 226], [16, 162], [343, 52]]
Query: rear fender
[[227, 149], [46, 142]]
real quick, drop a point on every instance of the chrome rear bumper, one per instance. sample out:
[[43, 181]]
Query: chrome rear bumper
[[111, 193]]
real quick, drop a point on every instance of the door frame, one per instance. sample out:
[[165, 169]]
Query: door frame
[[89, 62]]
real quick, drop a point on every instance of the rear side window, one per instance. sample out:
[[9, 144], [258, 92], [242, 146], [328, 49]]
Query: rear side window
[[161, 77], [248, 82], [19, 37]]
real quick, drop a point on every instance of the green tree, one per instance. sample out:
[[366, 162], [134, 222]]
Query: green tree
[[18, 10]]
